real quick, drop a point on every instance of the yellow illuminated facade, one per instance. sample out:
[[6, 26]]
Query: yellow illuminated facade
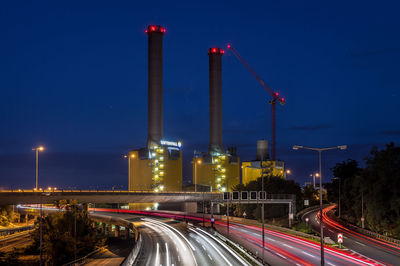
[[158, 169], [252, 171], [220, 172]]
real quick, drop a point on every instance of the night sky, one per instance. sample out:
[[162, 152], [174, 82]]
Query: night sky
[[73, 77]]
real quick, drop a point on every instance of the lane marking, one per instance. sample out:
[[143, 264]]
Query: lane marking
[[209, 256], [157, 262], [215, 248], [170, 227], [308, 254], [359, 243], [225, 246], [166, 247]]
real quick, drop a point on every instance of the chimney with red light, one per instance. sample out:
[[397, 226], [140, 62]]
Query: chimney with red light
[[155, 82], [215, 76]]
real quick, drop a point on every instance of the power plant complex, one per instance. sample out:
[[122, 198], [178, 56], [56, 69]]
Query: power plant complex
[[158, 165]]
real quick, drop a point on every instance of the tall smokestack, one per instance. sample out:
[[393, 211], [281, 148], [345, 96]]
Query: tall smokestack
[[215, 68], [155, 83]]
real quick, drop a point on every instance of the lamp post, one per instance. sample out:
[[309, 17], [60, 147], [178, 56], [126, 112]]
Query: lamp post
[[37, 149], [195, 174], [262, 206], [288, 172], [320, 150], [129, 157]]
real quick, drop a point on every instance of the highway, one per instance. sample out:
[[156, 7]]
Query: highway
[[168, 242], [280, 248], [284, 249], [379, 250]]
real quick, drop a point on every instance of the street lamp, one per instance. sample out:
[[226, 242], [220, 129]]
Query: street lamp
[[288, 172], [37, 149], [320, 150], [195, 173], [316, 175], [129, 157]]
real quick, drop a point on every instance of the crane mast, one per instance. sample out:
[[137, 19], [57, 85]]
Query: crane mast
[[275, 98]]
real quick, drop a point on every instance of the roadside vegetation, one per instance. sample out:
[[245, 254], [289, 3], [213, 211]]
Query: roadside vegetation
[[377, 185], [60, 239], [7, 215]]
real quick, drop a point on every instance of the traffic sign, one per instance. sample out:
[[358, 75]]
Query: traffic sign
[[235, 195], [340, 238], [227, 195]]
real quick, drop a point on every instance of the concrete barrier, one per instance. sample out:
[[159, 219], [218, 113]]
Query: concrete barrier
[[130, 260]]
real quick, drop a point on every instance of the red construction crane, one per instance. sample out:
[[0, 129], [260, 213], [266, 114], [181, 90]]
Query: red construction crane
[[274, 95]]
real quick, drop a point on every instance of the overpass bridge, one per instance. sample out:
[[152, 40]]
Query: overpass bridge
[[15, 197]]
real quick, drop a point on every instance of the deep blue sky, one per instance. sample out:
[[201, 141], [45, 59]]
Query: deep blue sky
[[73, 77]]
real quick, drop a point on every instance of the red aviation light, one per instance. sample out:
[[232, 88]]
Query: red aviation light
[[229, 46], [155, 28], [215, 50]]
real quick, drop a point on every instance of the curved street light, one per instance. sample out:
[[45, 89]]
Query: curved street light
[[37, 149], [320, 150]]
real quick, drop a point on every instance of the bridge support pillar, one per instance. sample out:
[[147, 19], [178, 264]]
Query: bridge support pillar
[[109, 229], [290, 215], [190, 207], [103, 228], [117, 231], [215, 208], [26, 219]]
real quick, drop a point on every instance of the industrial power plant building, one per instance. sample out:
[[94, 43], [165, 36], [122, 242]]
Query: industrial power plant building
[[158, 166], [252, 170], [217, 170]]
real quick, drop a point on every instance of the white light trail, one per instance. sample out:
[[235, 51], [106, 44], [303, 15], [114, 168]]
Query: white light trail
[[166, 247], [173, 234], [211, 244], [224, 245], [157, 263], [172, 228]]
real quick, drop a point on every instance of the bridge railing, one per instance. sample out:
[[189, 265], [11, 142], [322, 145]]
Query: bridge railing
[[105, 191]]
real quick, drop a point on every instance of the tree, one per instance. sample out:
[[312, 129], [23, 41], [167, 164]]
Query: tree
[[311, 194], [59, 236], [378, 184], [381, 190], [272, 185], [7, 215]]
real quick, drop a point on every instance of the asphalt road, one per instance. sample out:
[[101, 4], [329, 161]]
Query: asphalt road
[[283, 249], [378, 250], [170, 243]]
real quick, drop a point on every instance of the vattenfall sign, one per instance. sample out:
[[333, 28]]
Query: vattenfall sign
[[171, 143]]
